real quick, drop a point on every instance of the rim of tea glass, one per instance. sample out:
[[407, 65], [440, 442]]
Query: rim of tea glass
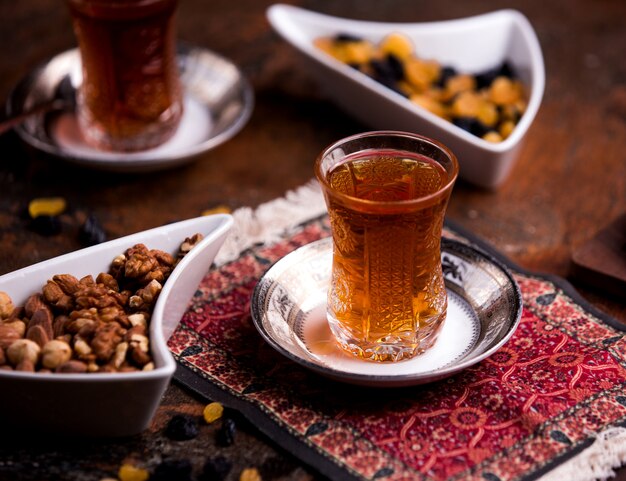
[[453, 174]]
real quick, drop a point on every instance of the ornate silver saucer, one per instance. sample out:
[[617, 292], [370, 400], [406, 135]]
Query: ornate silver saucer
[[484, 308], [217, 104]]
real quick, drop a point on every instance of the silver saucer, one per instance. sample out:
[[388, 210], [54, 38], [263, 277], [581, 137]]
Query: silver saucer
[[484, 308], [218, 102]]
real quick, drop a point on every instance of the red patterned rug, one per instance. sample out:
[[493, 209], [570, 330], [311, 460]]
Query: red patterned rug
[[537, 402]]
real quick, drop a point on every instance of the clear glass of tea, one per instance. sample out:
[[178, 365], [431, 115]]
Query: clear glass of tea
[[130, 98], [386, 194]]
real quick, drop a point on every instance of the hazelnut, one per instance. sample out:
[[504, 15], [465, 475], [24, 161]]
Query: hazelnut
[[23, 350], [6, 305], [8, 336], [55, 353], [18, 325]]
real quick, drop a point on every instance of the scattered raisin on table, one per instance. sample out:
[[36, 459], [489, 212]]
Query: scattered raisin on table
[[182, 428], [226, 434], [173, 470], [215, 469]]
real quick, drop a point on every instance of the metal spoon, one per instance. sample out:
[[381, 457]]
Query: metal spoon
[[64, 98]]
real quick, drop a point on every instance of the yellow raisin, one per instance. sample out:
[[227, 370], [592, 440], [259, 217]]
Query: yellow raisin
[[397, 44], [212, 412], [429, 104], [358, 52], [51, 206], [487, 113], [460, 83], [467, 104], [250, 474], [421, 73], [220, 209], [128, 472], [493, 137], [506, 128], [503, 91]]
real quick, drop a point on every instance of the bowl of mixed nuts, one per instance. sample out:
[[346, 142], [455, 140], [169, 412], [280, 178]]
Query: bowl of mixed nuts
[[474, 83], [83, 336]]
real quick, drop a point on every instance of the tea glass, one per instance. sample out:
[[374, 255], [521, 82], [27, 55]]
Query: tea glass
[[386, 194], [130, 98]]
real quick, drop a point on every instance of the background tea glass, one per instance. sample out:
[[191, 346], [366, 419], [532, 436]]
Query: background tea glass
[[386, 194], [130, 97]]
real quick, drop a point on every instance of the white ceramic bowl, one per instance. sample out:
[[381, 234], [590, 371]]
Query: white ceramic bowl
[[472, 45], [109, 404]]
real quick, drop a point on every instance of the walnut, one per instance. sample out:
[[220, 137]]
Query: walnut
[[163, 258], [74, 326], [189, 243], [117, 266], [108, 280], [112, 313], [91, 313], [106, 337], [139, 262], [87, 281], [150, 293]]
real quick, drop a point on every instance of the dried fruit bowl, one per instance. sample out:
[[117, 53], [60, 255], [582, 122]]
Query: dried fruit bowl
[[472, 45], [109, 404]]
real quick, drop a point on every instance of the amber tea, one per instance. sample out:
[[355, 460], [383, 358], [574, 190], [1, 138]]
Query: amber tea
[[130, 98], [387, 299]]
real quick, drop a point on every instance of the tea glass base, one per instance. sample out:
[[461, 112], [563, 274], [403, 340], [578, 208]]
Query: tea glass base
[[391, 348], [151, 136]]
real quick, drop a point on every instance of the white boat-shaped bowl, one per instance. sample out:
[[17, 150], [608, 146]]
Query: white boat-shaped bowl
[[108, 404], [472, 45]]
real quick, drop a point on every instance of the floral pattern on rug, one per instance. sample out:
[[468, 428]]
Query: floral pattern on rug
[[558, 381]]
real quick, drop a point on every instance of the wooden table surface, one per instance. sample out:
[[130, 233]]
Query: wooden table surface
[[569, 181]]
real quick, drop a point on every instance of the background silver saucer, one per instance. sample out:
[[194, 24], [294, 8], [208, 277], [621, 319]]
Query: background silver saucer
[[213, 82], [292, 291]]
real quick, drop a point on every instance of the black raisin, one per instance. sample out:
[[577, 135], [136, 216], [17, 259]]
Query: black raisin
[[347, 37], [471, 125], [91, 232], [181, 428], [444, 75], [484, 79], [395, 66], [275, 468], [226, 433], [172, 469], [506, 70], [215, 469], [46, 225]]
